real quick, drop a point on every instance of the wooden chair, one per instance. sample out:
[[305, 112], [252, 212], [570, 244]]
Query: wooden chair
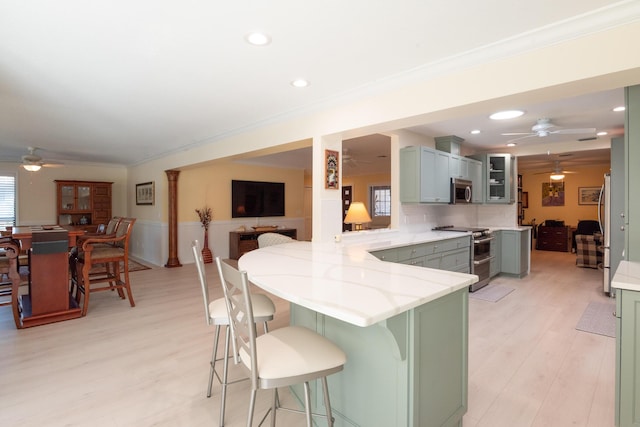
[[281, 358], [216, 314], [10, 276], [109, 250]]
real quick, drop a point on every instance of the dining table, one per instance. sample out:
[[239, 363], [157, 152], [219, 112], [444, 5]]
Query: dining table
[[48, 298]]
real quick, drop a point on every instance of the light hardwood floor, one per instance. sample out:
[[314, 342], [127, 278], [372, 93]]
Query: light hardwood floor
[[148, 365]]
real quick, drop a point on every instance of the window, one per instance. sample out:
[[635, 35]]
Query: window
[[7, 200], [381, 200]]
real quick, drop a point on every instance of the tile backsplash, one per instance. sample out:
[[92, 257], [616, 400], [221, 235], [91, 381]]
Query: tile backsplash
[[417, 218]]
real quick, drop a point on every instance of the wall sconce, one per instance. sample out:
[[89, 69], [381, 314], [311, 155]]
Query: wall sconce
[[357, 215]]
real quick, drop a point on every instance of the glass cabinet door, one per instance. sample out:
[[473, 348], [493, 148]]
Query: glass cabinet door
[[67, 199], [84, 198]]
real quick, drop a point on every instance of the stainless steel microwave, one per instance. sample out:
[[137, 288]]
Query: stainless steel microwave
[[461, 191]]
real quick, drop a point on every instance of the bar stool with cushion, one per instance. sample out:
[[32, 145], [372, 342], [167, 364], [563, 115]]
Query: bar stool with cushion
[[216, 314], [281, 358], [110, 250]]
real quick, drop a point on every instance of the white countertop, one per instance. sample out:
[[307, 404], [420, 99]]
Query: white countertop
[[627, 276], [344, 281]]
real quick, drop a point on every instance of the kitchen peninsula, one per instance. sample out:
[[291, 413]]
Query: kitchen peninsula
[[404, 328]]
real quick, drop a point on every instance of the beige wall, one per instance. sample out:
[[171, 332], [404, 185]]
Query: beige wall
[[36, 196], [211, 186], [571, 212], [361, 184]]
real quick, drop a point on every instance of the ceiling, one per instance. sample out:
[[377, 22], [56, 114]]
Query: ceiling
[[125, 82]]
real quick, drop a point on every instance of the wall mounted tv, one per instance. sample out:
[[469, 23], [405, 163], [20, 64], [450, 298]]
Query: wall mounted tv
[[256, 199]]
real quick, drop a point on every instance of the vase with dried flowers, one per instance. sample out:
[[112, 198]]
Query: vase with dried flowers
[[205, 218]]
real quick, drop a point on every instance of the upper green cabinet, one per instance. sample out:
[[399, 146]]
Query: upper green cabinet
[[500, 185], [424, 175]]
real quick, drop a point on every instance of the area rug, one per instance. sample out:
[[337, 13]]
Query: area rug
[[133, 266], [491, 293], [598, 319]]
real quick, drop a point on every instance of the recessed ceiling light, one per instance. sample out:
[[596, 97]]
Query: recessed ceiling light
[[507, 114], [601, 133], [258, 39], [299, 83], [620, 108], [511, 144], [475, 132]]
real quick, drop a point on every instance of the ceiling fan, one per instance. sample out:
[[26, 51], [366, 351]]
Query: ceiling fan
[[557, 173], [33, 162], [545, 127], [349, 160]]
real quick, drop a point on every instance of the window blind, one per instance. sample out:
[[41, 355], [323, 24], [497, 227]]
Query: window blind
[[7, 200]]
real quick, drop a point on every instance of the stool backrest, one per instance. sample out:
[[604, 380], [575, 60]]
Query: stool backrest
[[197, 255], [239, 307]]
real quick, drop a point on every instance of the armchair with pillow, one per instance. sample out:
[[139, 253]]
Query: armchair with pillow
[[587, 241]]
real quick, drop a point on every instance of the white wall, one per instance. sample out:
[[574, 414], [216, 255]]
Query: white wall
[[435, 96]]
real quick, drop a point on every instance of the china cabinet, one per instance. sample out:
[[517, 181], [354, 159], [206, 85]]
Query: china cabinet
[[83, 203]]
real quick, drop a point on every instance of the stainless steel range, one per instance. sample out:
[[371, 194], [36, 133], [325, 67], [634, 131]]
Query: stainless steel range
[[480, 254]]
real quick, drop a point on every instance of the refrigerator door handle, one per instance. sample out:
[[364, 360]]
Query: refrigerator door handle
[[600, 201]]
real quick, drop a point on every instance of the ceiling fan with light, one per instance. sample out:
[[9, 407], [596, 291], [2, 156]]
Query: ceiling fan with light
[[557, 173], [545, 127], [33, 162]]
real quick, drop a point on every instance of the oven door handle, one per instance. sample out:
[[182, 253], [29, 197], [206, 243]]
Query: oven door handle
[[483, 260], [488, 239]]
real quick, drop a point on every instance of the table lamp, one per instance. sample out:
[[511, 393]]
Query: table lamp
[[357, 215]]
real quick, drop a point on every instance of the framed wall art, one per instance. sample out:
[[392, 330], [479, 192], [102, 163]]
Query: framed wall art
[[331, 161], [525, 199], [145, 193], [553, 194], [588, 195]]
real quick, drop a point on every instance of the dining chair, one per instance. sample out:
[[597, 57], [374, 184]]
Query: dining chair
[[216, 314], [110, 250], [269, 239], [10, 276], [283, 357]]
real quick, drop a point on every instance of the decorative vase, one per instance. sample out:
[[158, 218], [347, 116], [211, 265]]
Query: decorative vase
[[207, 255]]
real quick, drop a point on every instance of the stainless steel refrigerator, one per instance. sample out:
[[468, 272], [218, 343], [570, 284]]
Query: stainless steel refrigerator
[[604, 218]]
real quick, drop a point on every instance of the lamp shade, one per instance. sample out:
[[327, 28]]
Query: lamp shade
[[357, 214]]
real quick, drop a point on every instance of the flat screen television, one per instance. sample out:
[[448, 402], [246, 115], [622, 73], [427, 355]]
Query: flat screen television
[[256, 199]]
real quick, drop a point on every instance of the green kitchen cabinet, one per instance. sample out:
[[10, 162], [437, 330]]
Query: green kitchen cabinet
[[410, 370], [446, 254], [514, 247], [477, 178], [424, 175], [495, 253], [499, 177], [628, 358]]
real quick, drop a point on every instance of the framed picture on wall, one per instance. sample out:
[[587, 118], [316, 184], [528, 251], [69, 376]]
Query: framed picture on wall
[[145, 193], [525, 199], [331, 169], [588, 195], [553, 194]]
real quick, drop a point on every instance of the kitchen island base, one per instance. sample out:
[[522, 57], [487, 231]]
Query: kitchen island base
[[409, 370]]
